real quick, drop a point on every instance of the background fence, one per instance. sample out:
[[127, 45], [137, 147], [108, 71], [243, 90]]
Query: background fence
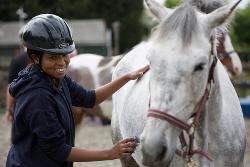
[[241, 83]]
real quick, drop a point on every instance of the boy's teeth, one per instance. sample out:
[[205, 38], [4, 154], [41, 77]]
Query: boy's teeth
[[60, 70]]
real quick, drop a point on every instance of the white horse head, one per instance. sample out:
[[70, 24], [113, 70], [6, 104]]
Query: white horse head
[[226, 52], [182, 69]]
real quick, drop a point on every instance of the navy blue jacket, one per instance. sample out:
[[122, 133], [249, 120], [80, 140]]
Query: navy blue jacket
[[43, 127]]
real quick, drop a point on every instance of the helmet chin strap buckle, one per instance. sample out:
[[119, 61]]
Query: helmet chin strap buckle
[[63, 45]]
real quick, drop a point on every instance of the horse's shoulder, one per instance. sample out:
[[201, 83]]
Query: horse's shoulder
[[132, 60], [121, 69], [85, 60]]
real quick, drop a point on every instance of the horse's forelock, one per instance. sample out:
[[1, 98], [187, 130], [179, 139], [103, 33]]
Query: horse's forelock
[[184, 20]]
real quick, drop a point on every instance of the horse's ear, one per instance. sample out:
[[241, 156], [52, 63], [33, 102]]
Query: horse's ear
[[158, 10], [221, 15]]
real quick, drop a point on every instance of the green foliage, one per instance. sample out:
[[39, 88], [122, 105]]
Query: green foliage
[[128, 12], [1, 111], [240, 29], [8, 9], [172, 3]]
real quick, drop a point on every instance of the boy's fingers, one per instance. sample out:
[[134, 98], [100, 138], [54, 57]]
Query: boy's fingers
[[131, 139], [125, 155], [130, 144], [127, 140], [128, 150], [146, 68]]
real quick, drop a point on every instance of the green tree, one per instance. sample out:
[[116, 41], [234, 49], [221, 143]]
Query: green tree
[[172, 3], [8, 10], [240, 29], [128, 13]]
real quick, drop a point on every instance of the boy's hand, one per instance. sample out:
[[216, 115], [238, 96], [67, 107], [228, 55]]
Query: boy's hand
[[123, 148], [138, 73], [8, 116]]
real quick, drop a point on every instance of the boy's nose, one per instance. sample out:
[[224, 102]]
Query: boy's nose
[[62, 59]]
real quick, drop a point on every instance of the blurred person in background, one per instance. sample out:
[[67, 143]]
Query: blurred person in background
[[17, 64]]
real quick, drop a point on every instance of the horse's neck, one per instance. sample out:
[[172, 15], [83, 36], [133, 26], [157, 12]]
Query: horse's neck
[[222, 95], [210, 118], [221, 122], [214, 103], [220, 107]]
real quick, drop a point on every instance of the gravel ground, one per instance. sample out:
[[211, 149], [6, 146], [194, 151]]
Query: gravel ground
[[90, 135]]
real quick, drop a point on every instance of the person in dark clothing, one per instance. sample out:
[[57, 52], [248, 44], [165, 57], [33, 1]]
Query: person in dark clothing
[[17, 64], [43, 129]]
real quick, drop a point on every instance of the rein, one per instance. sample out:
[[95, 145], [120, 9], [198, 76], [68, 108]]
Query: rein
[[187, 149]]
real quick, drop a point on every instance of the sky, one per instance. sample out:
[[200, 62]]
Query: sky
[[241, 5], [244, 3]]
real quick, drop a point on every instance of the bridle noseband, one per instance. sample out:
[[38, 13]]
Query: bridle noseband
[[187, 149]]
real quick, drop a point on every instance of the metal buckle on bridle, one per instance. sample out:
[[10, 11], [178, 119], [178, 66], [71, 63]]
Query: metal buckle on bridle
[[191, 163]]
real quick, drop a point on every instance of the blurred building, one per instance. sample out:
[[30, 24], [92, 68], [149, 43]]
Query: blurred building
[[90, 36]]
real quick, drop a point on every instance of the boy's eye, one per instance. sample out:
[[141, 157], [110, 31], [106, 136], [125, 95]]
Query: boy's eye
[[52, 57]]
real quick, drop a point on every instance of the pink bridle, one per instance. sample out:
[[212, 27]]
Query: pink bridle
[[187, 149]]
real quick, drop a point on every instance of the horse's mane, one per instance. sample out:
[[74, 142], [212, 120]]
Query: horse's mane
[[183, 20], [206, 6]]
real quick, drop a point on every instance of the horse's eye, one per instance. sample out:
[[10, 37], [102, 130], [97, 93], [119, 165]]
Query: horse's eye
[[199, 67]]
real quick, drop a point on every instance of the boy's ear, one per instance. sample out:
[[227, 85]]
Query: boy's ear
[[35, 58]]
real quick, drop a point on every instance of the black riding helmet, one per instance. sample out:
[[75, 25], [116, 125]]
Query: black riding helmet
[[48, 33]]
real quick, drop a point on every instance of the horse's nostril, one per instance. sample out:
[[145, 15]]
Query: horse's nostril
[[162, 153]]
